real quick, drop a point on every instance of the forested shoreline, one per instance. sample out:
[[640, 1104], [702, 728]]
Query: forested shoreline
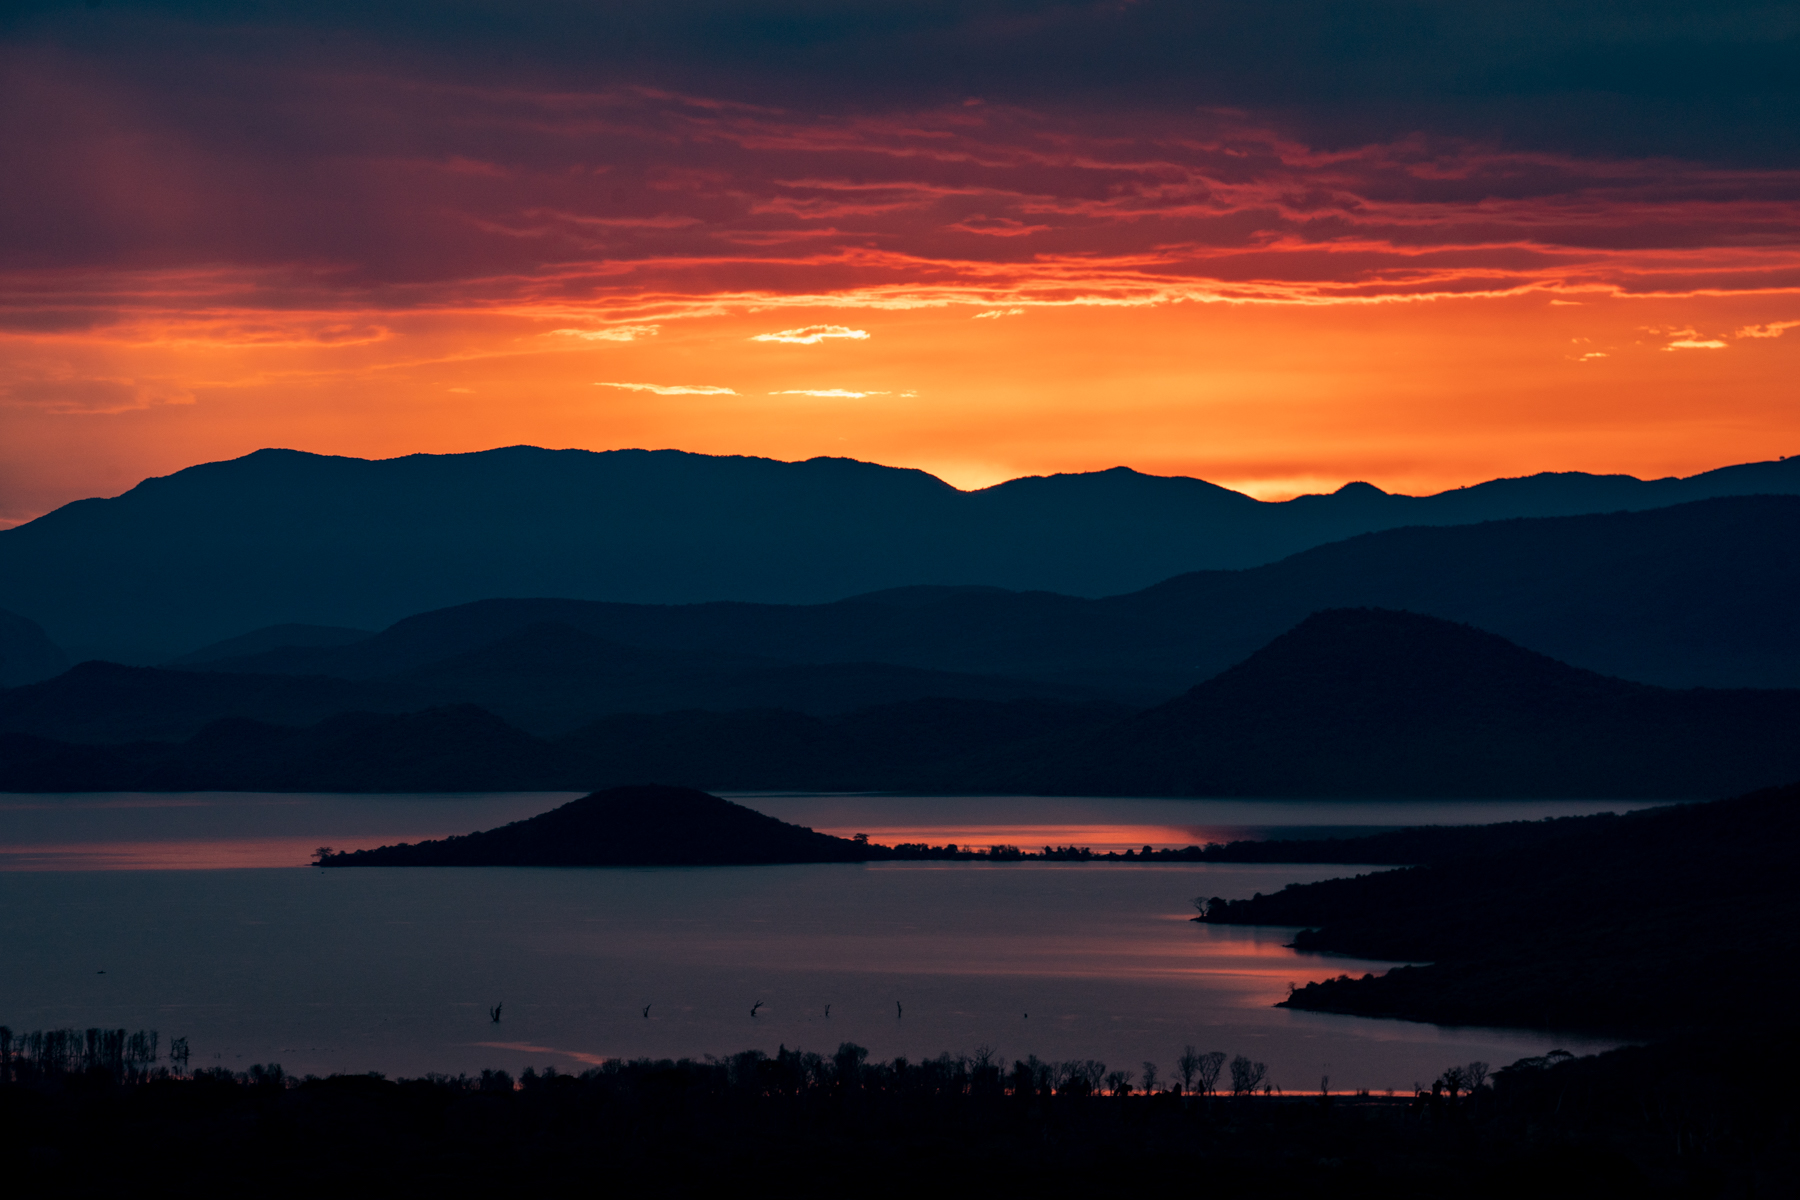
[[1709, 1117]]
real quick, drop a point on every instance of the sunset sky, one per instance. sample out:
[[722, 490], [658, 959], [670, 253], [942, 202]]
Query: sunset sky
[[1278, 245]]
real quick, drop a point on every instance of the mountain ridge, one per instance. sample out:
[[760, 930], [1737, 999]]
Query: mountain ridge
[[286, 537], [1375, 702], [1347, 703], [1692, 594]]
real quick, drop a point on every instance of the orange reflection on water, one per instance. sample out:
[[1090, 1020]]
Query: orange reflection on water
[[1100, 838], [160, 856]]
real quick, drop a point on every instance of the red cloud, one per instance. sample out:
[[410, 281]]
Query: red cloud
[[381, 196]]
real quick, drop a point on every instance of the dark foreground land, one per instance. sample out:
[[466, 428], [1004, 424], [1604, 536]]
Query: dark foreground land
[[1694, 1118], [1655, 923]]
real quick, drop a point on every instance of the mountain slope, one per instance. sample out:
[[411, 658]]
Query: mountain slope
[[545, 677], [105, 702], [285, 537], [26, 652], [1694, 594], [1373, 702]]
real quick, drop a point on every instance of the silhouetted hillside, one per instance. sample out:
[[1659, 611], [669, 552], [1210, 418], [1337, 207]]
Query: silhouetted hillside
[[1679, 917], [271, 637], [1373, 702], [105, 702], [625, 826], [1356, 702], [917, 745], [545, 677], [452, 749], [283, 537], [937, 744], [1691, 595], [26, 652]]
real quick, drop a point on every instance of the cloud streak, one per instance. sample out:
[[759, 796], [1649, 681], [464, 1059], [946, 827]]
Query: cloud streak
[[672, 389], [812, 335], [618, 333], [829, 393]]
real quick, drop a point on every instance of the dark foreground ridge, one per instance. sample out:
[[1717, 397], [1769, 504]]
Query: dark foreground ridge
[[1660, 921], [644, 826], [1695, 1118]]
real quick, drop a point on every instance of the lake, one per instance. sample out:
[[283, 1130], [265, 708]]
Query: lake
[[190, 915]]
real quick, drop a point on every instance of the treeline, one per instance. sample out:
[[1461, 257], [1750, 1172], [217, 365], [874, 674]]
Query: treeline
[[1677, 1119], [111, 1054]]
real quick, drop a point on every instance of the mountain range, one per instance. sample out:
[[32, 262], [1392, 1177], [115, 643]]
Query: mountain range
[[281, 537], [1352, 702], [1690, 595]]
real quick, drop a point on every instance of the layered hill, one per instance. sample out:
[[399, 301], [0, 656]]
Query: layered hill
[[921, 745], [282, 537], [1349, 703], [1368, 702], [1694, 594], [625, 826], [26, 652], [546, 677]]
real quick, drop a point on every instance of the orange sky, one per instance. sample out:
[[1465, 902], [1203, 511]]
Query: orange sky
[[1273, 399], [441, 268]]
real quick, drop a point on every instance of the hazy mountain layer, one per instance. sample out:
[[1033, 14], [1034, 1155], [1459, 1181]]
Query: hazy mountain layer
[[1368, 702], [1695, 594], [281, 537], [547, 678], [26, 652], [1350, 703]]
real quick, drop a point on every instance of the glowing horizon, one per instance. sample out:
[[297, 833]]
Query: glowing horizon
[[376, 253]]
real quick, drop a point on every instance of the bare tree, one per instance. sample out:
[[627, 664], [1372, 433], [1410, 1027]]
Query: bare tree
[[1149, 1076], [1118, 1082], [1207, 1071], [1246, 1076], [1186, 1065], [1474, 1075]]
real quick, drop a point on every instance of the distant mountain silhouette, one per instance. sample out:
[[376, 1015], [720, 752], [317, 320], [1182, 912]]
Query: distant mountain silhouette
[[917, 745], [921, 745], [625, 826], [1349, 703], [546, 677], [285, 537], [451, 749], [105, 702], [26, 652], [1369, 702], [272, 637], [1688, 595]]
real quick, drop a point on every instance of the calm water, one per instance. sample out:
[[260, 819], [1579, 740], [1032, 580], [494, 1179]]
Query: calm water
[[255, 960]]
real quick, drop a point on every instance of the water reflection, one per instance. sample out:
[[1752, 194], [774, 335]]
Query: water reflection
[[394, 970], [217, 830]]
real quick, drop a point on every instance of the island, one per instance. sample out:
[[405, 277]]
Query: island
[[647, 825]]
